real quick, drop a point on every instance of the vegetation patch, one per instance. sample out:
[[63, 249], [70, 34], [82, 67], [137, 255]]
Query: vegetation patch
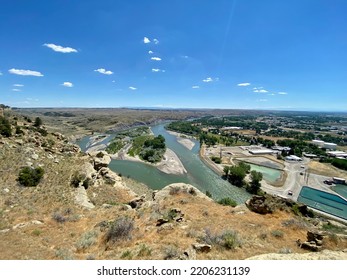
[[228, 239], [120, 229], [227, 201], [30, 177]]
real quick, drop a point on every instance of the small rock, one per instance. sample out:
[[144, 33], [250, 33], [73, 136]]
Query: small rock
[[34, 156], [203, 248], [106, 206], [20, 225], [6, 190], [36, 222], [161, 221], [4, 230]]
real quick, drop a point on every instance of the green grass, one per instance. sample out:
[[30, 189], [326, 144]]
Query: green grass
[[138, 143]]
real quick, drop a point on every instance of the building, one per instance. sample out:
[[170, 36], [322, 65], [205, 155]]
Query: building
[[337, 154], [318, 143], [261, 152], [326, 145], [330, 146], [310, 155], [280, 148], [293, 158]]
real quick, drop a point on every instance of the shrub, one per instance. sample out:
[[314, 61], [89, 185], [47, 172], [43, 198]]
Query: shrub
[[5, 127], [144, 251], [126, 255], [228, 239], [171, 253], [59, 218], [208, 194], [19, 130], [277, 233], [86, 240], [120, 229], [30, 177], [227, 201]]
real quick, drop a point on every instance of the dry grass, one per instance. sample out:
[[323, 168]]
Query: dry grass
[[326, 169]]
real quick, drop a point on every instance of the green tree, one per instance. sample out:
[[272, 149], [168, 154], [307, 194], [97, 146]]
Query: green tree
[[254, 186], [38, 122], [236, 176]]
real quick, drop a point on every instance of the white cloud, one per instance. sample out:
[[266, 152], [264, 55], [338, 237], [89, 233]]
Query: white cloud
[[243, 84], [209, 80], [18, 85], [157, 70], [25, 72], [272, 94], [150, 52], [67, 84], [146, 40], [195, 87], [185, 56], [260, 90], [282, 93], [262, 100], [133, 88], [16, 89], [156, 41], [61, 49], [0, 74], [156, 58], [103, 71], [113, 81]]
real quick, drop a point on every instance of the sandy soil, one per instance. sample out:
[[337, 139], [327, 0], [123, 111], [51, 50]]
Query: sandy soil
[[171, 164], [185, 141]]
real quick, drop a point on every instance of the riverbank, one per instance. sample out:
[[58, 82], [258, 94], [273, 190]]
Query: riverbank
[[213, 166], [170, 164], [185, 141]]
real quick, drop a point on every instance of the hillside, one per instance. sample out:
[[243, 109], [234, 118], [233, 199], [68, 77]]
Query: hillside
[[80, 209]]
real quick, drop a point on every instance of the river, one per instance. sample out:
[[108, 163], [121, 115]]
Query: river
[[198, 174]]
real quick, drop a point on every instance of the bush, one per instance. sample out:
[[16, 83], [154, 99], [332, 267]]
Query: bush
[[5, 127], [30, 177], [120, 229], [227, 201], [228, 239], [277, 233], [87, 239]]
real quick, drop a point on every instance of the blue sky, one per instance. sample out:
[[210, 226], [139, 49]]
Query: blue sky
[[247, 54]]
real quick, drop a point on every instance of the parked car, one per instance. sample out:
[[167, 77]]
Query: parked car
[[290, 193]]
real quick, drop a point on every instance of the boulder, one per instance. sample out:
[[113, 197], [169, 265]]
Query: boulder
[[258, 204]]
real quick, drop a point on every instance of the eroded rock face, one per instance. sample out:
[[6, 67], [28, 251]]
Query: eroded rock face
[[314, 241], [258, 204], [100, 159]]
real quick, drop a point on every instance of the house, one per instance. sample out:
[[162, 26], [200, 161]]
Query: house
[[293, 158]]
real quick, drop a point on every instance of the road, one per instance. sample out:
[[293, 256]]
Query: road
[[297, 177]]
